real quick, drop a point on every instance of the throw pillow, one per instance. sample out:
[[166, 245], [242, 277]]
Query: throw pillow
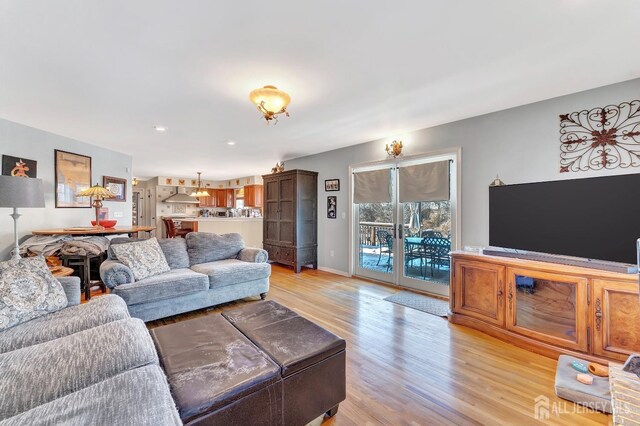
[[27, 291], [144, 258]]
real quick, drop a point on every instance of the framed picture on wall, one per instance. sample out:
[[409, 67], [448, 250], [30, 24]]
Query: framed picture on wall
[[17, 166], [117, 186], [72, 175], [332, 207], [332, 185]]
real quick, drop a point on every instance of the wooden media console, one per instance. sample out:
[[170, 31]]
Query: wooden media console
[[547, 308]]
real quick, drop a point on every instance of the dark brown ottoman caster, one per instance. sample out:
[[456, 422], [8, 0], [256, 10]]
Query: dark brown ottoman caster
[[312, 360], [332, 412]]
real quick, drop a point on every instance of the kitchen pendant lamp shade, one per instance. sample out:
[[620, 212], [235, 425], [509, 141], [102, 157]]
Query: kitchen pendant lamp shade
[[199, 191], [270, 101], [20, 192]]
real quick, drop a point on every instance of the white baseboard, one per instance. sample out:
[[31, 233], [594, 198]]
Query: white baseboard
[[334, 271]]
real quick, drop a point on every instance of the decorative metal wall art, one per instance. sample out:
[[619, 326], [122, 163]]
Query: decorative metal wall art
[[600, 138]]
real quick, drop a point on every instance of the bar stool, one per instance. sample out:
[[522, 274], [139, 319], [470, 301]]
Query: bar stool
[[83, 263]]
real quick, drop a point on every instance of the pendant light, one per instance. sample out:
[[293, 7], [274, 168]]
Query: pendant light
[[200, 192]]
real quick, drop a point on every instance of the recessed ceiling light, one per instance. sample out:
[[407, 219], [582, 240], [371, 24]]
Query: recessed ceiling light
[[160, 128], [231, 143]]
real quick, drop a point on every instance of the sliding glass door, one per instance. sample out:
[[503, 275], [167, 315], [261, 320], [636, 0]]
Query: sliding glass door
[[376, 229], [406, 241]]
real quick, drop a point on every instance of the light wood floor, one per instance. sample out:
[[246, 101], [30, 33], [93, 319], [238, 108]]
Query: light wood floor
[[408, 367]]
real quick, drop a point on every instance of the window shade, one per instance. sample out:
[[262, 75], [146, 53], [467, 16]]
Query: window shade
[[372, 187], [424, 182]]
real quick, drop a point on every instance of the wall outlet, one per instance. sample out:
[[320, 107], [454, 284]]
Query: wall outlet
[[331, 253], [117, 215]]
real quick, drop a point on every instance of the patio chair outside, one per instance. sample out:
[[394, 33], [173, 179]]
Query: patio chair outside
[[385, 243]]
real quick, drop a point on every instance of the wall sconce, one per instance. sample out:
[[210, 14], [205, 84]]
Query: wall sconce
[[394, 150]]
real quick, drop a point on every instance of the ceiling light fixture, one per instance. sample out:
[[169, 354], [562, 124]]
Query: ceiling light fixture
[[231, 143], [160, 128], [199, 192], [270, 102]]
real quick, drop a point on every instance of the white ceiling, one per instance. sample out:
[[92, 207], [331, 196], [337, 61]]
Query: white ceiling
[[105, 71]]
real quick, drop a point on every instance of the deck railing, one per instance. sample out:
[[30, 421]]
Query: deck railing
[[369, 232]]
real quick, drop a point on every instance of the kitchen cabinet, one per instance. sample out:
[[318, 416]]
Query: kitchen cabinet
[[231, 197], [221, 197], [253, 195], [290, 218], [210, 200]]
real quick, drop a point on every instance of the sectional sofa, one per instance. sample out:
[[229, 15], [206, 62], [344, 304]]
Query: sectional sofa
[[92, 364], [89, 364], [206, 270]]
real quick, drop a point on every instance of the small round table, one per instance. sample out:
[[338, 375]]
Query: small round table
[[61, 271]]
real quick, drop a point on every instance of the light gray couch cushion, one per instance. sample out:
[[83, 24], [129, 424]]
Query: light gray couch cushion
[[176, 282], [251, 254], [205, 247], [71, 287], [232, 271], [135, 397], [174, 249], [144, 258], [39, 374], [100, 310], [27, 291]]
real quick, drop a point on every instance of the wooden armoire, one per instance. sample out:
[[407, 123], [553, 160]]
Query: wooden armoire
[[290, 218]]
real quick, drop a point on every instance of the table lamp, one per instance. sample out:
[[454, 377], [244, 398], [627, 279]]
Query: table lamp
[[20, 192], [98, 193]]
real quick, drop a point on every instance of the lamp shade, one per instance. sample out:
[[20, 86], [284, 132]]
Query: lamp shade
[[97, 191], [21, 192], [270, 98]]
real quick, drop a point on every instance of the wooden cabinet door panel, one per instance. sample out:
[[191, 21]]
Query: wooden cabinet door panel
[[271, 221], [221, 198], [616, 319], [548, 307], [479, 290], [258, 196], [207, 201]]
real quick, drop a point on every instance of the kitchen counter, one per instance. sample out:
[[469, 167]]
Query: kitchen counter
[[249, 227], [228, 219]]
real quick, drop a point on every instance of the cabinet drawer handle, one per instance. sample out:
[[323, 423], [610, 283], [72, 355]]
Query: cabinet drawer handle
[[510, 296], [598, 314], [499, 293]]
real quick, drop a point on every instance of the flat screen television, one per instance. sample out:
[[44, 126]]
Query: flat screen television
[[595, 218]]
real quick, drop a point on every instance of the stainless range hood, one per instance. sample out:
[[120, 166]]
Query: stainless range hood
[[181, 197]]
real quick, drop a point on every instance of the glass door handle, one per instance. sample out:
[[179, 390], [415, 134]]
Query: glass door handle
[[400, 231], [394, 232]]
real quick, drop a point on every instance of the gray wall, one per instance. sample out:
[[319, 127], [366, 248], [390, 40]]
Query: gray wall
[[520, 144], [23, 141]]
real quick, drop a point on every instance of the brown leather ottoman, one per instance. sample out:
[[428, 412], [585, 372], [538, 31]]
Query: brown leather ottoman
[[312, 360], [217, 375]]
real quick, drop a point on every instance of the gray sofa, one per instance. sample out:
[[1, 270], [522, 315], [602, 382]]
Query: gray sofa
[[206, 270], [85, 364]]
